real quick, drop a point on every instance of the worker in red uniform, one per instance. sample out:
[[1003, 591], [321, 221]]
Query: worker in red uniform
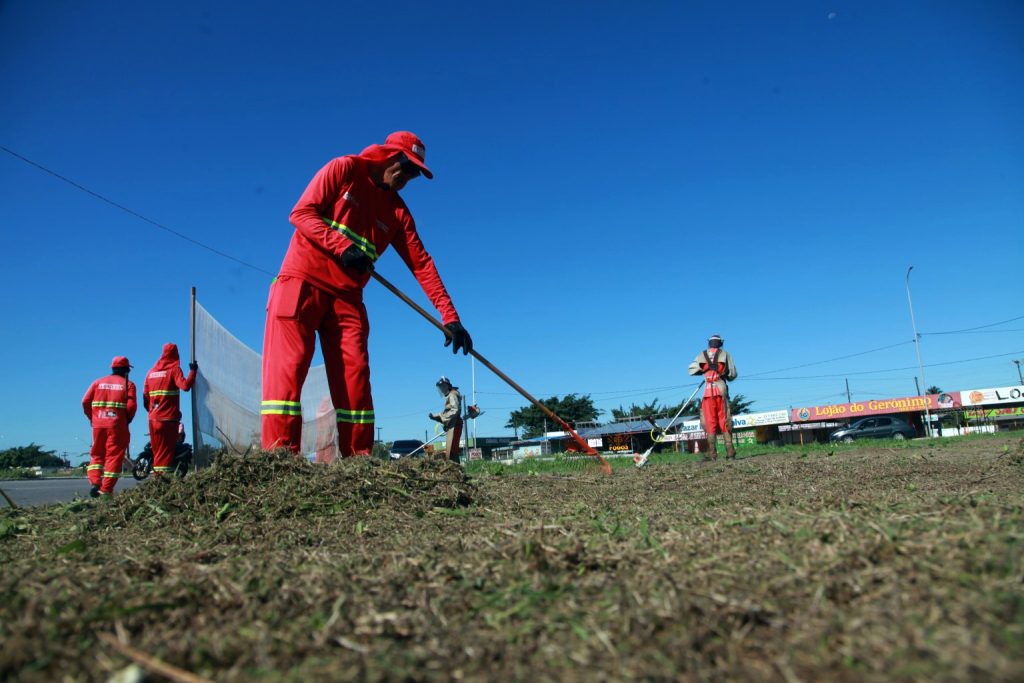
[[161, 397], [347, 217], [718, 369], [110, 405]]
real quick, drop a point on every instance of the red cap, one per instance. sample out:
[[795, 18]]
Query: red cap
[[404, 141], [120, 362]]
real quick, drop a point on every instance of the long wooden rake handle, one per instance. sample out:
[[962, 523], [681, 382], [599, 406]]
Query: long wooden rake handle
[[605, 467]]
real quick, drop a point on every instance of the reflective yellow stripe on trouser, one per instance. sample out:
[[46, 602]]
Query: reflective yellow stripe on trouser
[[281, 408], [358, 417]]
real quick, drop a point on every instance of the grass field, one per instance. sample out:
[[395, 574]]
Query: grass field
[[871, 561]]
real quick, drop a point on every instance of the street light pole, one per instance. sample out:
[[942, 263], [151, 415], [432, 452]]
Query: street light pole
[[920, 365], [1019, 376]]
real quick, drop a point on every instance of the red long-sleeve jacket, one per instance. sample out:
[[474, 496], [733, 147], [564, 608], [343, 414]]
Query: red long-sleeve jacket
[[110, 402], [165, 381], [342, 206]]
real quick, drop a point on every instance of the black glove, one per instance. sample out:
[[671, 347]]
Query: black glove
[[356, 259], [435, 417], [460, 338], [193, 365]]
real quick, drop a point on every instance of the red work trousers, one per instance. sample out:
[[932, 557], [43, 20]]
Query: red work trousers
[[451, 441], [296, 313], [163, 436], [106, 456], [716, 415]]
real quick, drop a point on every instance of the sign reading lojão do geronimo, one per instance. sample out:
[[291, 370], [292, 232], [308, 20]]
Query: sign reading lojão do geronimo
[[908, 404]]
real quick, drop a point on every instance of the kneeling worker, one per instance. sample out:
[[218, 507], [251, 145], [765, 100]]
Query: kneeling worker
[[718, 369], [450, 418]]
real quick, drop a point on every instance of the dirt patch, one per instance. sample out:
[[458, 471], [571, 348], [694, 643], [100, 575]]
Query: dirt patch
[[869, 564]]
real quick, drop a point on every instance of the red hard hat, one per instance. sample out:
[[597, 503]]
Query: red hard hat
[[120, 362]]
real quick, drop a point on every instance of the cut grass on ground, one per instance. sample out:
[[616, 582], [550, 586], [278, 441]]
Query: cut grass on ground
[[873, 563]]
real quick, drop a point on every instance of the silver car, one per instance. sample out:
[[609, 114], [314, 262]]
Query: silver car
[[880, 427]]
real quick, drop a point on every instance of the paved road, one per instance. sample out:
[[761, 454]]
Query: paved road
[[28, 492]]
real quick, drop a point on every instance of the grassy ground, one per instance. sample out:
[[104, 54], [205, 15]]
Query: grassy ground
[[875, 561]]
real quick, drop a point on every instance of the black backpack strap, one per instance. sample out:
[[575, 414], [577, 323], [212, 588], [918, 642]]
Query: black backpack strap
[[712, 364]]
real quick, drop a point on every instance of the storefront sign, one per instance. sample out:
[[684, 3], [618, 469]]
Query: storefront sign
[[994, 413], [984, 397], [528, 452], [618, 443], [772, 417], [691, 429], [909, 404]]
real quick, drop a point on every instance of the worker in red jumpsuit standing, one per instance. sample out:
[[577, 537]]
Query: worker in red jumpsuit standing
[[110, 405], [718, 369], [347, 217], [161, 397]]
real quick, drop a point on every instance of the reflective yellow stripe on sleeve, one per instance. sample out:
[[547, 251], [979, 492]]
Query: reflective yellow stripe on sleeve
[[365, 245]]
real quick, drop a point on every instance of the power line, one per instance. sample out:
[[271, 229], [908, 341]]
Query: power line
[[830, 360], [874, 372], [1012, 329], [131, 212], [884, 348], [608, 395], [979, 327]]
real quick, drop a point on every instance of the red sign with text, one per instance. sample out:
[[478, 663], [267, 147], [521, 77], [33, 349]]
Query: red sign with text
[[909, 404]]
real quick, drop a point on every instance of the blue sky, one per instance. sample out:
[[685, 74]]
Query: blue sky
[[613, 184]]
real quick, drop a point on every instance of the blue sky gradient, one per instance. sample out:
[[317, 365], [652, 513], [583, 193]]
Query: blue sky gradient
[[613, 184]]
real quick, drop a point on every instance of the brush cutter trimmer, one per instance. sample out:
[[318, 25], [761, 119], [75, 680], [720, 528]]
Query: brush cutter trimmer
[[658, 433], [413, 452], [472, 412]]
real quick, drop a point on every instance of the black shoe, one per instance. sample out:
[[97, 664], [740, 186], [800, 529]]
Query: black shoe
[[94, 492]]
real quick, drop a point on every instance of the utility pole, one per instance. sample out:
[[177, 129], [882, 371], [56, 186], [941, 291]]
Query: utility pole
[[917, 386], [848, 399], [1019, 376], [472, 362], [920, 365], [378, 434]]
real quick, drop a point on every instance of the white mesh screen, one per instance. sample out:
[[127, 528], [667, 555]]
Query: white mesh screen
[[228, 396]]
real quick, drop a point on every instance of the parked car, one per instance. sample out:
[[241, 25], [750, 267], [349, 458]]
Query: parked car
[[403, 447], [874, 428]]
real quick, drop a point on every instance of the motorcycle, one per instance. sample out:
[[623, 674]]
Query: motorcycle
[[142, 466]]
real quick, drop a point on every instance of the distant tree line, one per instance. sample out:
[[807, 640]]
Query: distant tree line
[[738, 403], [530, 421], [31, 455]]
